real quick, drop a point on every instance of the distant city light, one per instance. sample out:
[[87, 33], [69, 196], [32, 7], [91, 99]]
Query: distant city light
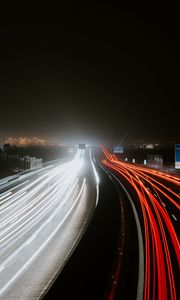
[[25, 141]]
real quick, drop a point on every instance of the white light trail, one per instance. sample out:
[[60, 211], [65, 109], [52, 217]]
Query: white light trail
[[34, 207]]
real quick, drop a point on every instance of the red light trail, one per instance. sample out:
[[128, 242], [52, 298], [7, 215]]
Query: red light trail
[[160, 237]]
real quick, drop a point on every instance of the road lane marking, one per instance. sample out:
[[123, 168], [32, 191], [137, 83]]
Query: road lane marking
[[174, 217]]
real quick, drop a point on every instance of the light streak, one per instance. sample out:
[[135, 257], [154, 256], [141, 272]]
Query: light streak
[[96, 178], [34, 208], [161, 241]]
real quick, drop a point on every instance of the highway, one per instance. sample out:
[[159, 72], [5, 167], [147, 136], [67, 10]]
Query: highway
[[124, 220], [155, 202], [43, 215]]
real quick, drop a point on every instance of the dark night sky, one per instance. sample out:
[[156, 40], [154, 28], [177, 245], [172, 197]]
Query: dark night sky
[[97, 73]]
